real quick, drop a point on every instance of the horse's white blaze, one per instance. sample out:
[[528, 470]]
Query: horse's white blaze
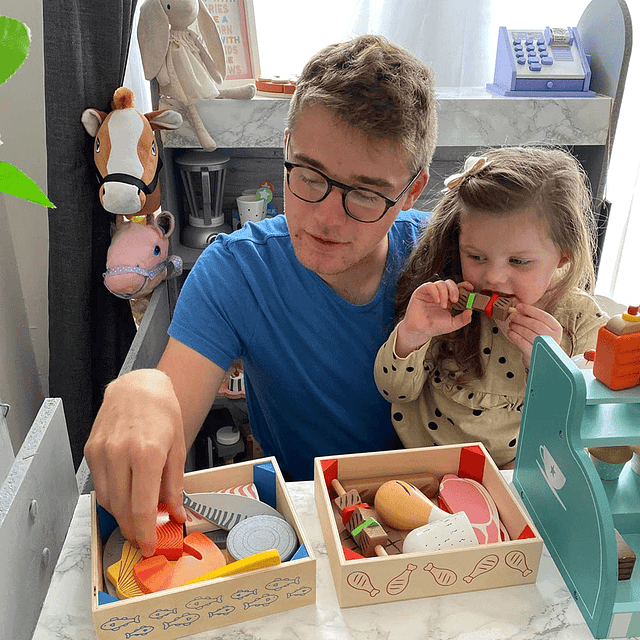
[[125, 129]]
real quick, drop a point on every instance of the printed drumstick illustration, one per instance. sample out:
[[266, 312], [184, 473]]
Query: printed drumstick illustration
[[398, 584], [494, 305], [484, 565], [360, 580], [518, 561], [444, 577]]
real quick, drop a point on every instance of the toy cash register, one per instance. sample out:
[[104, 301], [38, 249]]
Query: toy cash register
[[548, 62]]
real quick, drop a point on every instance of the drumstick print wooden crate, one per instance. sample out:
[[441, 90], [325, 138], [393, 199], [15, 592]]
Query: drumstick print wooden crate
[[403, 576], [194, 608]]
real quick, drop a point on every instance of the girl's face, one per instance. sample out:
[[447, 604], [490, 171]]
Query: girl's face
[[509, 254]]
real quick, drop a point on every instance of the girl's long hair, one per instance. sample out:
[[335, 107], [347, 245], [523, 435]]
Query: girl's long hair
[[547, 180]]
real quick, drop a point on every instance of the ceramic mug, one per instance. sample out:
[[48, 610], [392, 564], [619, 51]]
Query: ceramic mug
[[251, 208]]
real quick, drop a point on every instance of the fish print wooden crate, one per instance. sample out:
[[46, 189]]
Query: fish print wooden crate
[[188, 610], [402, 576]]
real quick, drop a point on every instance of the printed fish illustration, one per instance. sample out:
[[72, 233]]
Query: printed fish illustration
[[301, 591], [202, 602], [141, 631], [162, 613], [222, 611], [241, 594], [281, 583], [263, 601], [115, 624], [182, 621]]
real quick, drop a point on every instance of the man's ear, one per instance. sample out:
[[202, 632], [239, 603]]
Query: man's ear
[[416, 190]]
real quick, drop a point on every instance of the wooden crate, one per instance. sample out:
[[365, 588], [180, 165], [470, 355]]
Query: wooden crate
[[188, 610], [418, 575]]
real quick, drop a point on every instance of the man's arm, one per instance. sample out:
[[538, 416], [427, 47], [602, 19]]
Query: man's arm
[[137, 447]]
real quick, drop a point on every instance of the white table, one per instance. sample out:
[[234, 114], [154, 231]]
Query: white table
[[542, 610]]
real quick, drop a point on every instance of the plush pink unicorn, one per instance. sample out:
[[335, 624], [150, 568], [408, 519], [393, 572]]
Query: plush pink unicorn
[[138, 257]]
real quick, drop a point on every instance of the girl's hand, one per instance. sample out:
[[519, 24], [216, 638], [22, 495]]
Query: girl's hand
[[429, 315], [526, 324]]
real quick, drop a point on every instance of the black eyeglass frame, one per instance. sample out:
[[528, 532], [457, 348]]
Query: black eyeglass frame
[[346, 189]]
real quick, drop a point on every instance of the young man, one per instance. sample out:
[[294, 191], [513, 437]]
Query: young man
[[306, 300]]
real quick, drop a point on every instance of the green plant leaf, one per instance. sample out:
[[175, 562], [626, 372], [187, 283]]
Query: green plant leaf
[[19, 184], [14, 46]]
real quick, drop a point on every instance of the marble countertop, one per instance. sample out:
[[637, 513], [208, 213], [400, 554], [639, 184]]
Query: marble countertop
[[467, 116], [541, 610]]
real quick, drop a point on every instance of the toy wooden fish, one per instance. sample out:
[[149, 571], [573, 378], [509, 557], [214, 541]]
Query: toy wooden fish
[[226, 510]]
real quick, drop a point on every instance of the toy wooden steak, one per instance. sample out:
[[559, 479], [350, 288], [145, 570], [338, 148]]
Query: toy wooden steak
[[494, 305], [225, 509]]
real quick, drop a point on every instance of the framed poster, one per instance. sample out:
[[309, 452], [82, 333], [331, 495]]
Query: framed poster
[[235, 20]]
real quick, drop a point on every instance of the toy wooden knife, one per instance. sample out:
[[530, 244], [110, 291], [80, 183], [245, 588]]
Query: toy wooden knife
[[225, 509]]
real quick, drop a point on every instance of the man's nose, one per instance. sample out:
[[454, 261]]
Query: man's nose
[[332, 207]]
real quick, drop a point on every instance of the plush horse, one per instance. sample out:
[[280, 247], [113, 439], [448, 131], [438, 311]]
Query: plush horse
[[187, 66], [126, 154], [138, 257]]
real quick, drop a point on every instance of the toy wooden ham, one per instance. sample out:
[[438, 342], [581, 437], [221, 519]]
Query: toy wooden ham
[[403, 506], [464, 494]]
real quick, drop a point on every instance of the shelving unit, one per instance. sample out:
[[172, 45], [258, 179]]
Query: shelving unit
[[566, 410]]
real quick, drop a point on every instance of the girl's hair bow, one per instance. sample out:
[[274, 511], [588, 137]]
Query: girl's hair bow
[[472, 165]]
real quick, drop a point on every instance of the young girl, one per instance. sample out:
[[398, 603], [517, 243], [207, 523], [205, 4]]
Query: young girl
[[517, 222]]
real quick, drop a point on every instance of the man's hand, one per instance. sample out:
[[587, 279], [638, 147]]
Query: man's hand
[[527, 323], [136, 453], [429, 315]]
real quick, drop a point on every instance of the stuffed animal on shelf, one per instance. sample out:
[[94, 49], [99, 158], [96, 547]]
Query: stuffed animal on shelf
[[126, 154], [138, 258], [128, 163], [186, 65]]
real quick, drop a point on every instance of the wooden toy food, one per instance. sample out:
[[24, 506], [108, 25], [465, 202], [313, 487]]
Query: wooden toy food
[[616, 361], [403, 506], [494, 305], [626, 558], [225, 509], [453, 532], [269, 558], [367, 531], [464, 494], [260, 533], [609, 461]]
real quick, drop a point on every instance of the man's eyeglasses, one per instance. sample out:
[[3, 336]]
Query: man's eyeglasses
[[360, 204]]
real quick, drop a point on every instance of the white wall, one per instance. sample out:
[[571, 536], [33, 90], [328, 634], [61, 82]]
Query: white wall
[[24, 346]]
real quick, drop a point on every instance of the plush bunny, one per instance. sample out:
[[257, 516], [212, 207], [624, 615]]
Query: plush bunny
[[187, 67], [138, 260]]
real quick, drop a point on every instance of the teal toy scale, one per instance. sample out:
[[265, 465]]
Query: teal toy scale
[[566, 410]]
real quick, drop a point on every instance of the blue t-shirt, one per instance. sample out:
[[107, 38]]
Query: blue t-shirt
[[307, 353]]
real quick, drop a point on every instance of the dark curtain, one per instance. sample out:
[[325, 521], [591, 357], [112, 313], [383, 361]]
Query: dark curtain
[[86, 43]]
